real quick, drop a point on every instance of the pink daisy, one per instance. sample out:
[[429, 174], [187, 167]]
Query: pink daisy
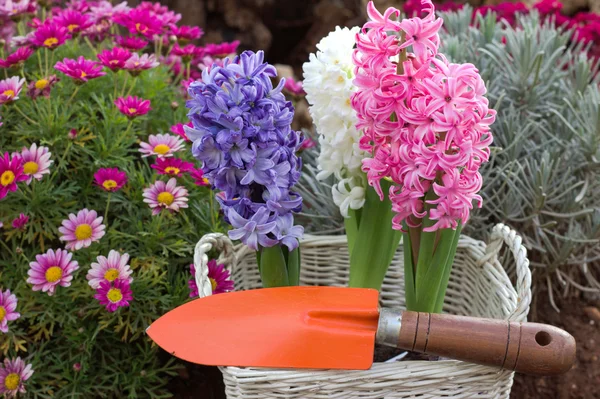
[[49, 35], [131, 43], [219, 279], [171, 166], [52, 269], [222, 49], [13, 375], [8, 305], [81, 70], [163, 195], [73, 20], [11, 172], [178, 130], [161, 145], [136, 64], [199, 178], [114, 296], [109, 269], [10, 89], [81, 230], [115, 58], [36, 162], [110, 179], [17, 58], [20, 222], [41, 87], [141, 22], [185, 34], [133, 106], [187, 52], [14, 9]]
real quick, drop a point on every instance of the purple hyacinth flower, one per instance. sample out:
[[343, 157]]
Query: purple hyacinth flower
[[286, 232], [252, 231], [206, 149]]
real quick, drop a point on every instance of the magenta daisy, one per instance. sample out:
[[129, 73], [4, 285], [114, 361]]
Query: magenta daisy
[[187, 52], [217, 275], [81, 70], [140, 22], [20, 222], [10, 89], [199, 178], [11, 172], [115, 295], [8, 305], [81, 230], [222, 49], [110, 179], [17, 58], [172, 166], [115, 58], [161, 145], [13, 375], [133, 106], [73, 20], [41, 87], [185, 34], [52, 269], [36, 162], [136, 64], [131, 43], [49, 35], [109, 269], [163, 195], [180, 131]]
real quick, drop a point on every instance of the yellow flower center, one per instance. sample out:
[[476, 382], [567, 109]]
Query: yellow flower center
[[83, 74], [165, 198], [132, 110], [136, 63], [41, 84], [141, 28], [72, 27], [30, 168], [341, 79], [109, 184], [9, 93], [213, 283], [111, 275], [348, 101], [162, 149], [2, 312], [7, 178], [205, 180], [83, 231], [172, 170], [51, 41], [113, 62], [114, 295], [12, 381], [53, 274]]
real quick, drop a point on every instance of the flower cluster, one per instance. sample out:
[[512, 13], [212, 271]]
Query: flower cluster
[[111, 278], [424, 120], [328, 82], [242, 134]]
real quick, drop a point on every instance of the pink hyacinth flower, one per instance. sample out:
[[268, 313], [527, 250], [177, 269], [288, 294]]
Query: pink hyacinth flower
[[82, 229], [10, 89], [8, 305], [110, 179], [165, 196], [108, 269], [50, 270], [81, 70], [115, 295], [13, 376], [133, 106], [161, 145]]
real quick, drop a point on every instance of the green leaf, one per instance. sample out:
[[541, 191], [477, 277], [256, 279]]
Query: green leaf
[[273, 270], [293, 267], [409, 278], [439, 303], [351, 224]]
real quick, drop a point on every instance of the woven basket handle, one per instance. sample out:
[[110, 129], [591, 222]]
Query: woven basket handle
[[504, 235], [208, 242]]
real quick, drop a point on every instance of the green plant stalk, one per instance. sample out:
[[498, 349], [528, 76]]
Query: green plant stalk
[[439, 303], [409, 275], [351, 224], [293, 267], [273, 267], [375, 243]]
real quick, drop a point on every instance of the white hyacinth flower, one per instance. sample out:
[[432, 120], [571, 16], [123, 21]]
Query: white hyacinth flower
[[328, 78]]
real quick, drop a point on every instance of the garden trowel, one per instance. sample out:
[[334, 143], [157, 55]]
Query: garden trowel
[[337, 328]]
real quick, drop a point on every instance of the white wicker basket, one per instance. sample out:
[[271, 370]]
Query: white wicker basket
[[479, 286]]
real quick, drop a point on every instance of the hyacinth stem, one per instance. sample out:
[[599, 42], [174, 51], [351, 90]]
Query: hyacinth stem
[[273, 267], [293, 266], [375, 243], [351, 224]]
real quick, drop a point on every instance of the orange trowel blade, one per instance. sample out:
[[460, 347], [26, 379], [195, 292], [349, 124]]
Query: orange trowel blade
[[291, 327]]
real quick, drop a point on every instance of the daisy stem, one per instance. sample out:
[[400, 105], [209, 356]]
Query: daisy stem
[[187, 70], [115, 84], [7, 247], [71, 98], [124, 85], [106, 210], [61, 160], [159, 48], [24, 116], [91, 46], [39, 56], [46, 60], [132, 85]]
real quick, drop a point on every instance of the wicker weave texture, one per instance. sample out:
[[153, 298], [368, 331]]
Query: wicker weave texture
[[479, 286]]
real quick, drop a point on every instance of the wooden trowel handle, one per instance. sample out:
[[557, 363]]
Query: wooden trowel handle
[[528, 348]]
